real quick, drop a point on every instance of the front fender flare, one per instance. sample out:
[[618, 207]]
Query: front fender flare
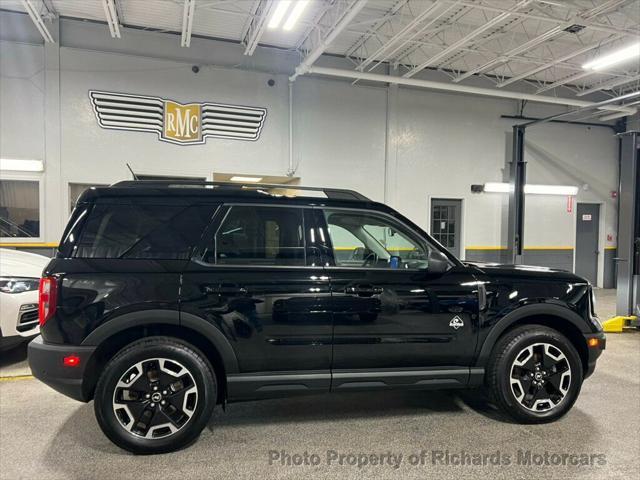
[[518, 314]]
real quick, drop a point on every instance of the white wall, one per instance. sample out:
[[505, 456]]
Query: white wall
[[440, 144], [21, 101], [339, 135], [94, 154]]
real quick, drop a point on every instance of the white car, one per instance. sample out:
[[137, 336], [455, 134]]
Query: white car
[[19, 278]]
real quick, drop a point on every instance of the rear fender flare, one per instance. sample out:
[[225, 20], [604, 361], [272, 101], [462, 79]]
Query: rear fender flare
[[167, 317]]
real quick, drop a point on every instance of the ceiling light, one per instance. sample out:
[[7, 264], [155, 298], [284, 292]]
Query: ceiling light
[[497, 187], [240, 178], [278, 13], [627, 53], [21, 165], [295, 14], [550, 189]]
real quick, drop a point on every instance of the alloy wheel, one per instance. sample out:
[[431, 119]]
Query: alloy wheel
[[155, 398], [540, 377]]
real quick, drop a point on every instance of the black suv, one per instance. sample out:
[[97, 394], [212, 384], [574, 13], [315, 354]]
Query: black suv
[[167, 299]]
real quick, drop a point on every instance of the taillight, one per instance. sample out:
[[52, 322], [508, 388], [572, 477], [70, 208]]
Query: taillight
[[47, 299]]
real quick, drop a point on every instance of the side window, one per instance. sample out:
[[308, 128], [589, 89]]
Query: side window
[[143, 231], [366, 239], [348, 250], [261, 236]]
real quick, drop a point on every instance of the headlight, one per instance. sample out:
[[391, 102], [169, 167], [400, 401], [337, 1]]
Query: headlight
[[18, 285], [592, 306]]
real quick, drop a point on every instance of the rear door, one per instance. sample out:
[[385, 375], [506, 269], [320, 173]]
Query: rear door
[[404, 314], [258, 279]]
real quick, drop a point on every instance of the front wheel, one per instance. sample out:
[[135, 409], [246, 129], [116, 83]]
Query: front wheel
[[534, 374], [155, 396]]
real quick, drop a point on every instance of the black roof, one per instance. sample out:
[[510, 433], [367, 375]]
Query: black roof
[[247, 191]]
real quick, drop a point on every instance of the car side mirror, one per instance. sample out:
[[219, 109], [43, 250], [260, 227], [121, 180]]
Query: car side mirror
[[437, 262]]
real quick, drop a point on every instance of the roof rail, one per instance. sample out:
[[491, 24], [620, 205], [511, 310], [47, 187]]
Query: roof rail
[[333, 193]]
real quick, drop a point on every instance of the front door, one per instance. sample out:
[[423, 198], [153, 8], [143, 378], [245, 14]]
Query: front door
[[404, 313], [587, 232], [258, 282]]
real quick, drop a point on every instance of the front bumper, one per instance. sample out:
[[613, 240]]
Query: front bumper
[[8, 343], [46, 362], [19, 315], [595, 351]]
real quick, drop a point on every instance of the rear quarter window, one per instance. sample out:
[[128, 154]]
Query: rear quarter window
[[143, 231]]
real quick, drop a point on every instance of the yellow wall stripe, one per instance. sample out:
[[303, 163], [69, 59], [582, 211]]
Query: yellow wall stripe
[[477, 247], [30, 245], [470, 247]]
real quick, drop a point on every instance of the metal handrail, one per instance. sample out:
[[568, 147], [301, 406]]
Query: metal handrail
[[329, 192], [11, 224]]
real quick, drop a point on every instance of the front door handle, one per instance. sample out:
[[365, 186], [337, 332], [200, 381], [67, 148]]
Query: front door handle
[[364, 290]]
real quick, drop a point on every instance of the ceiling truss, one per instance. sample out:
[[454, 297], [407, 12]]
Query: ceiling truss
[[533, 46]]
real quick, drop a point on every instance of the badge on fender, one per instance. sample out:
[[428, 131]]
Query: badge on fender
[[456, 322]]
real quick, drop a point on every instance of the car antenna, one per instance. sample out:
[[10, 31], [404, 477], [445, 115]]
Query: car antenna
[[135, 177]]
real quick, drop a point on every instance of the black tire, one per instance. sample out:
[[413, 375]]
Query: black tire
[[201, 405], [498, 379]]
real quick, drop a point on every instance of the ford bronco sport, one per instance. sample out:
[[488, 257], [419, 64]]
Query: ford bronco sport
[[166, 299]]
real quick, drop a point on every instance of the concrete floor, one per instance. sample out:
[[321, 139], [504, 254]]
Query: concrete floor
[[46, 435]]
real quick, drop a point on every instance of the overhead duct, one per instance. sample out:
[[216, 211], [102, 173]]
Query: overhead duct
[[452, 87]]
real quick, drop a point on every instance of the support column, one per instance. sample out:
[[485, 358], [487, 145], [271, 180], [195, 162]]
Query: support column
[[517, 180], [55, 200], [391, 143], [628, 259]]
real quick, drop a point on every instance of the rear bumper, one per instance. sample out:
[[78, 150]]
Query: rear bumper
[[594, 352], [46, 362]]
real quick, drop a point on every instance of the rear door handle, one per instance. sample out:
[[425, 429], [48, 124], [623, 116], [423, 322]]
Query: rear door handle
[[364, 290], [226, 289]]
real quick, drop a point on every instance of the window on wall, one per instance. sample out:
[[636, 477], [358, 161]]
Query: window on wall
[[19, 208], [76, 189], [443, 225], [261, 236]]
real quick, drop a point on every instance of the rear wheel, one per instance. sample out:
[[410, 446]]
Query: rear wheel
[[534, 374], [155, 396]]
